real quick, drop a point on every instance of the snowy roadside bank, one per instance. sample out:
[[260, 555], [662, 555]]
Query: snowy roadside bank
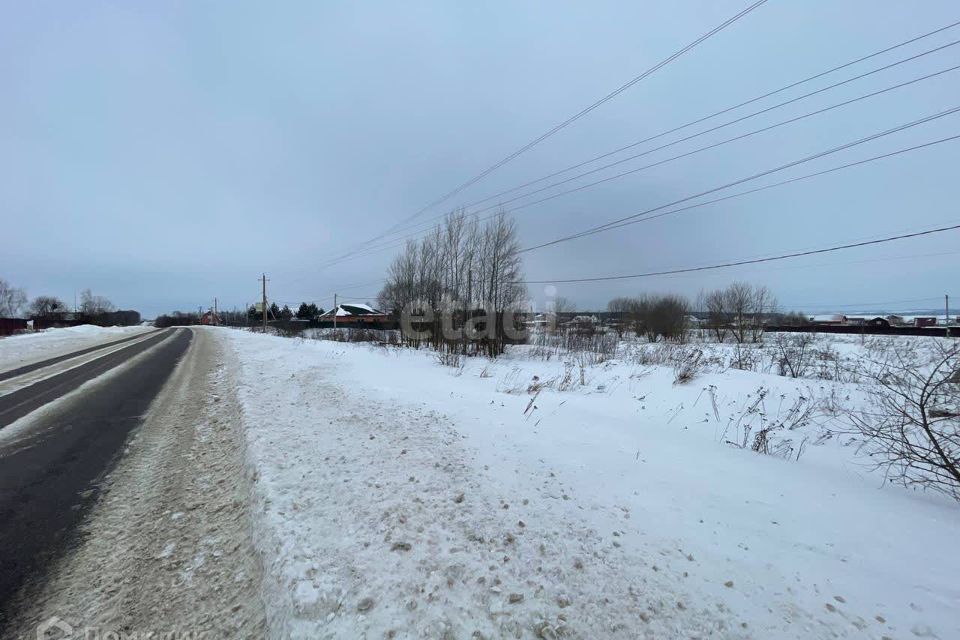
[[636, 518], [26, 348]]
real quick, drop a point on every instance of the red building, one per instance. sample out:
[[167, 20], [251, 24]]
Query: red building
[[210, 318]]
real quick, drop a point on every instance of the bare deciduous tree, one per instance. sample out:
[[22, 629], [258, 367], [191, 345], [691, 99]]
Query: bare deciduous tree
[[92, 305], [739, 310], [911, 426], [455, 271], [12, 299], [655, 316], [562, 304], [667, 317], [46, 305], [620, 307]]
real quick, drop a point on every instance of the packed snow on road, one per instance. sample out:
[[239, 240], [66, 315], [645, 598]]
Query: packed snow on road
[[549, 493]]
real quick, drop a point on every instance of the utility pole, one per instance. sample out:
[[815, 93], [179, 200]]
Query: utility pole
[[216, 318], [264, 278], [946, 311], [334, 311], [469, 292]]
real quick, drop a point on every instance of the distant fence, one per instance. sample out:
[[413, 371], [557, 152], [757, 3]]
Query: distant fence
[[9, 326], [936, 332]]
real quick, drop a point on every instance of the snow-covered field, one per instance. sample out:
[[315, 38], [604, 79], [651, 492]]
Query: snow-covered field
[[525, 497], [26, 348]]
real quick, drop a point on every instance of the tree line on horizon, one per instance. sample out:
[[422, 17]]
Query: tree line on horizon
[[91, 308]]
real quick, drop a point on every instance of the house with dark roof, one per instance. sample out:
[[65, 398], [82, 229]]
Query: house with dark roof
[[356, 315]]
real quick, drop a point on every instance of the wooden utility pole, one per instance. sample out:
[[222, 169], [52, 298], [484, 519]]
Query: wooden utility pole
[[264, 279], [216, 318], [946, 312], [469, 293], [334, 311]]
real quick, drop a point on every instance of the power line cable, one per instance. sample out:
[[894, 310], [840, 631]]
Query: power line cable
[[912, 256], [732, 108], [808, 176], [725, 265], [587, 109], [710, 146], [392, 243], [835, 263], [737, 106], [821, 154]]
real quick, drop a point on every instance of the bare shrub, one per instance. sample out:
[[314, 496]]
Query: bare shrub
[[911, 425], [592, 347], [566, 383], [794, 354], [289, 331], [386, 337], [832, 404], [688, 368], [449, 359], [755, 427], [746, 357]]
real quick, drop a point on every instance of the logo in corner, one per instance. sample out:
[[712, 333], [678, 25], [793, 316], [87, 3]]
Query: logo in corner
[[48, 630]]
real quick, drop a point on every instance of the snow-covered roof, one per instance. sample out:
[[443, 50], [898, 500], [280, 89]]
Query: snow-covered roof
[[828, 317], [352, 310]]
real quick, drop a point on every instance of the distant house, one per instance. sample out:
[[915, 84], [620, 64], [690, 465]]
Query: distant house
[[877, 322], [925, 321], [829, 319], [542, 320], [210, 319], [355, 315], [583, 322], [895, 321]]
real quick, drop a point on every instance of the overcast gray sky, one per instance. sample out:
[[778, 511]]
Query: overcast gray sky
[[166, 153]]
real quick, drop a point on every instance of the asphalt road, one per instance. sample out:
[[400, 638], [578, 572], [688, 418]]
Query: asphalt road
[[49, 474], [19, 371], [19, 403]]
